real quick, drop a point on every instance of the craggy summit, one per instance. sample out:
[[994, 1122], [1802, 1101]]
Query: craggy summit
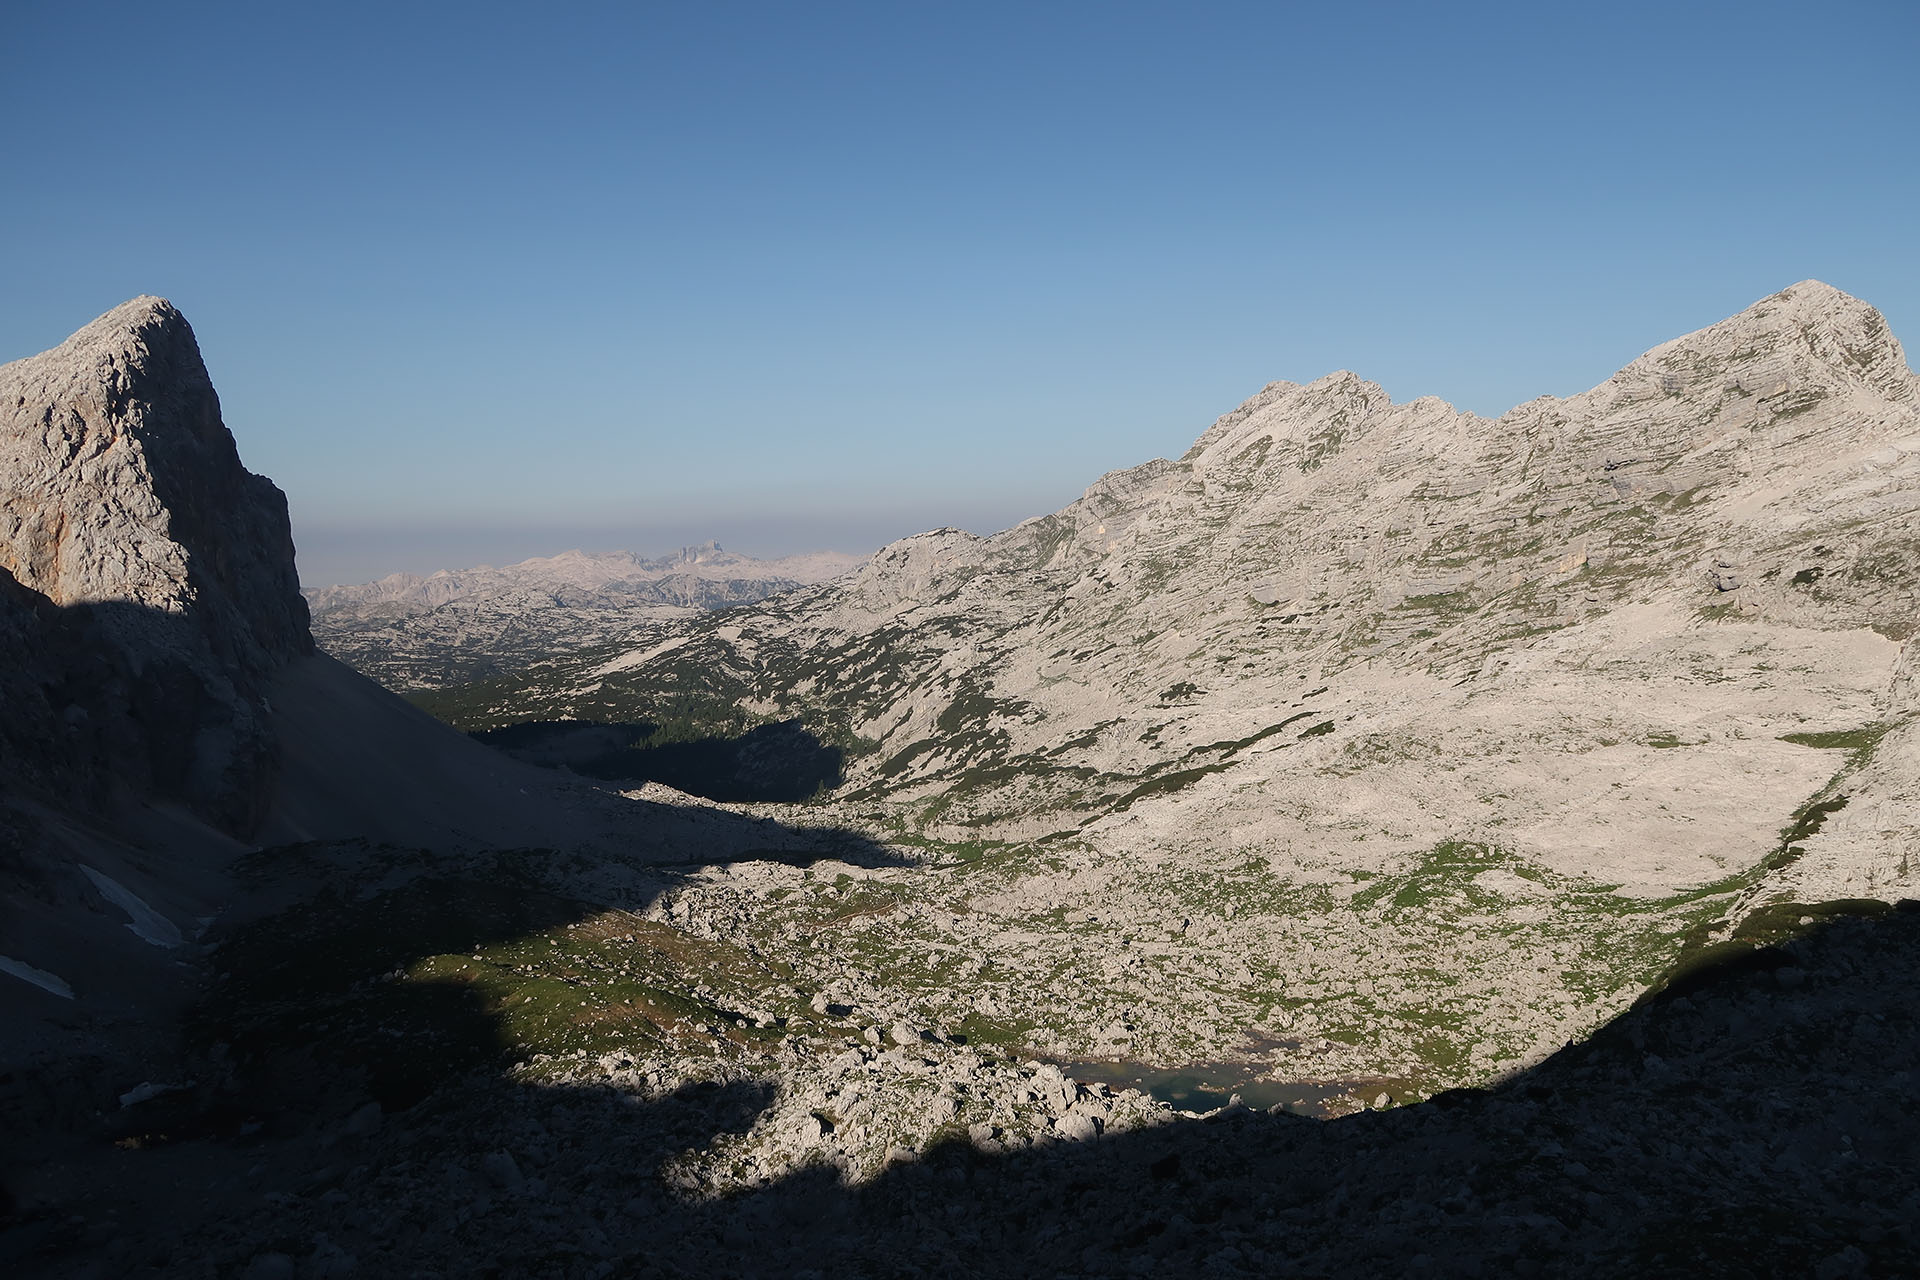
[[124, 501]]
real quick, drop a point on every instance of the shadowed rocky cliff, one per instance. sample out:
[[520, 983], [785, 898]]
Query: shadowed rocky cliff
[[123, 503]]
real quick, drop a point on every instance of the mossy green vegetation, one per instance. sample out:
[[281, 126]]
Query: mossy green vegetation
[[1440, 602], [1806, 823], [1166, 784], [485, 967], [1711, 940], [1859, 742], [1473, 910]]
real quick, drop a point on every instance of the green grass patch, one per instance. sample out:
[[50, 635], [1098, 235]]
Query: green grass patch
[[1859, 742], [1439, 602], [451, 973], [1166, 784]]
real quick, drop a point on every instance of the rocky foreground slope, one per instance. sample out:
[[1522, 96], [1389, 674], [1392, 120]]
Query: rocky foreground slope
[[455, 627], [1757, 1125], [163, 716], [1366, 741]]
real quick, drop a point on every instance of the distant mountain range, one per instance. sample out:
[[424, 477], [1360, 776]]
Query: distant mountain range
[[457, 626]]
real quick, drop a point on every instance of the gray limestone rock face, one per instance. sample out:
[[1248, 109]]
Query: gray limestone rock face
[[149, 585]]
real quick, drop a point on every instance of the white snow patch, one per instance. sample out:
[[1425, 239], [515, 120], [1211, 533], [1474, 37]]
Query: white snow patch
[[148, 1089], [38, 977], [628, 661], [147, 924]]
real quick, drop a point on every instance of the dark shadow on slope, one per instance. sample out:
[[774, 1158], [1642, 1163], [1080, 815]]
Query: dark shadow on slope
[[302, 1013], [1760, 1123], [777, 763], [405, 969], [112, 698], [320, 991]]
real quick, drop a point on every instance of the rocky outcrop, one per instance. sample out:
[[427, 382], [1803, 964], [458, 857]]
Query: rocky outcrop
[[149, 588]]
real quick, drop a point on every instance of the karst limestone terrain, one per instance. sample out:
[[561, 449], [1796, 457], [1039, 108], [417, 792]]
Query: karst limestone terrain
[[1366, 742], [454, 627], [1530, 794]]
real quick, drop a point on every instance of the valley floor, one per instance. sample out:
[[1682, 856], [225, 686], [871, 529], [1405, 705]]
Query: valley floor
[[1752, 1120]]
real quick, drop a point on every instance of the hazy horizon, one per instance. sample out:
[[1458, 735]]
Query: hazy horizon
[[332, 556]]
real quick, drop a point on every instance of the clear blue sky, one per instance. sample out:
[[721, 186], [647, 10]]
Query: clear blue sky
[[480, 281]]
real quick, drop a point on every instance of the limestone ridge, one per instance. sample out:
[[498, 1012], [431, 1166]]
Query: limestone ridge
[[150, 587]]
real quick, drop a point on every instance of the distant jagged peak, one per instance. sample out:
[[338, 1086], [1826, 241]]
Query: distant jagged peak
[[576, 571], [708, 552]]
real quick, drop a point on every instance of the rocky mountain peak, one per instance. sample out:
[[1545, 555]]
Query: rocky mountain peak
[[1809, 335], [1301, 425], [121, 422], [126, 515], [905, 570]]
